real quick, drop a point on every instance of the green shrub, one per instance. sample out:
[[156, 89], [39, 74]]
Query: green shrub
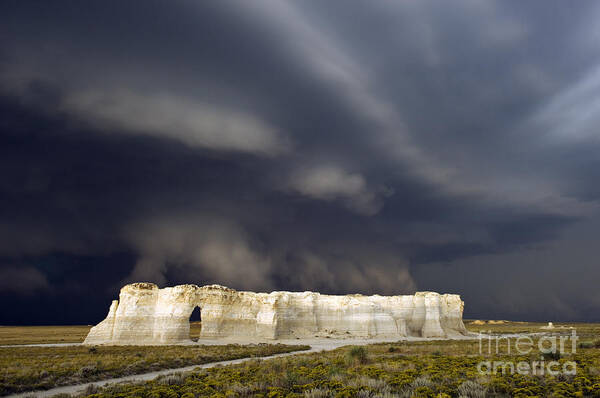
[[358, 354], [554, 355]]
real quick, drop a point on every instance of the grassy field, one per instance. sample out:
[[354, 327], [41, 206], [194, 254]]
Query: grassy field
[[11, 335], [31, 368], [402, 369], [42, 334], [583, 329], [429, 369]]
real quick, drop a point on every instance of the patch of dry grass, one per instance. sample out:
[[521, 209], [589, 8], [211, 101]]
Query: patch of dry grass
[[39, 368], [584, 330], [10, 335]]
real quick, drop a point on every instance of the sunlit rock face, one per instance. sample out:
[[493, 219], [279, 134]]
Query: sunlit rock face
[[146, 314]]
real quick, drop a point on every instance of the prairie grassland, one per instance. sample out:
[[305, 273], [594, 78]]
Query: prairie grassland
[[408, 369], [11, 335], [498, 327], [403, 369], [39, 368], [42, 334]]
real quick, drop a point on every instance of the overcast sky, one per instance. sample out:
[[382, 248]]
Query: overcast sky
[[336, 146]]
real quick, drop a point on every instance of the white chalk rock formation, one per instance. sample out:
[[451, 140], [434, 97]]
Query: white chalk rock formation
[[147, 315]]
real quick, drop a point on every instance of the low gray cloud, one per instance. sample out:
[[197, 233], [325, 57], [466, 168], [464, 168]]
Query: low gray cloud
[[200, 248], [121, 110], [204, 248], [331, 183], [195, 124], [361, 269]]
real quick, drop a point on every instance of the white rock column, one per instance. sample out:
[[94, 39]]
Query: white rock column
[[103, 332], [172, 314], [432, 326], [134, 318]]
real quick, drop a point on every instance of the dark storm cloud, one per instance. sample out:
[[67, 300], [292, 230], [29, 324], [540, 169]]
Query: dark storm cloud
[[330, 146]]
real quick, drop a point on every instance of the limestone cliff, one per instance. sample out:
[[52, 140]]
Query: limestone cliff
[[146, 314]]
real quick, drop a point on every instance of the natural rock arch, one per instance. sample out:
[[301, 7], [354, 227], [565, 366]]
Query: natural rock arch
[[196, 315], [195, 320]]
